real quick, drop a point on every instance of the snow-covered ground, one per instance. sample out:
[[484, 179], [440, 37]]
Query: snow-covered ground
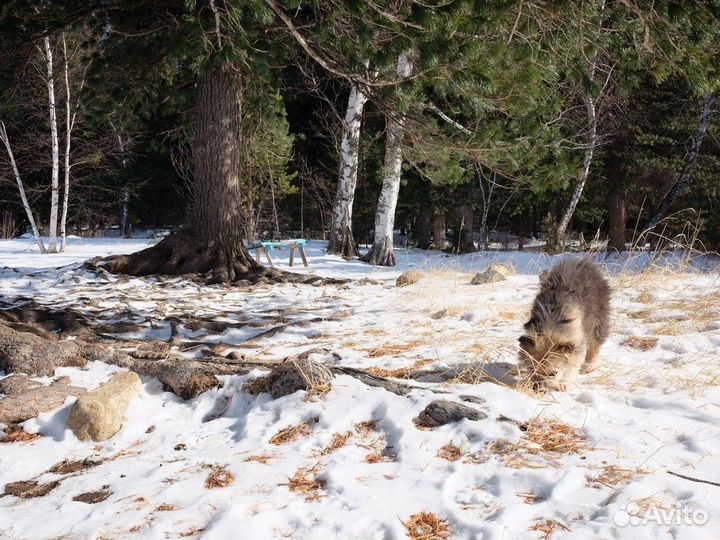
[[591, 462]]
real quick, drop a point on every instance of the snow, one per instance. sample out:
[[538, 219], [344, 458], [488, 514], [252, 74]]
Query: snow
[[644, 411]]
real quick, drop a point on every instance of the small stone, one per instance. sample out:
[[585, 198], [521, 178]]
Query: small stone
[[408, 278], [98, 415], [493, 274], [441, 412]]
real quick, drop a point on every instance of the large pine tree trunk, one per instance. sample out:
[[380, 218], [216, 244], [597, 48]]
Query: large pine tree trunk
[[212, 240], [341, 236], [688, 166], [381, 253]]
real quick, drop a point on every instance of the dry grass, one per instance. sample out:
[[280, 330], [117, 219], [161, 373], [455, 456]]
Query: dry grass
[[547, 527], [20, 436], [338, 441], [219, 477], [646, 296], [291, 434], [166, 508], [641, 507], [450, 452], [306, 482], [427, 526], [193, 531], [642, 343], [393, 349], [552, 436], [399, 373], [261, 458], [375, 442], [612, 476], [528, 497]]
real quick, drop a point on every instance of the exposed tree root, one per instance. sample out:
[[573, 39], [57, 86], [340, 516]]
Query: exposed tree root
[[183, 254], [27, 316], [343, 244], [380, 254]]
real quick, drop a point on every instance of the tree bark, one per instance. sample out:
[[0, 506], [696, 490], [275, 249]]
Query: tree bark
[[381, 252], [425, 221], [439, 227], [341, 236], [212, 240], [688, 166], [55, 186], [616, 219], [585, 171], [466, 217]]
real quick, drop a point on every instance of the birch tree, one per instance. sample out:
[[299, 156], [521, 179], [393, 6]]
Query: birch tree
[[341, 236], [55, 174], [689, 163], [21, 188], [381, 252]]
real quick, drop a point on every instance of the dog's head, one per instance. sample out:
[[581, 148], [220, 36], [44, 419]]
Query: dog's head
[[552, 338]]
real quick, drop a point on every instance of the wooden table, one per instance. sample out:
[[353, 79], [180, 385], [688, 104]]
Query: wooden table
[[266, 247]]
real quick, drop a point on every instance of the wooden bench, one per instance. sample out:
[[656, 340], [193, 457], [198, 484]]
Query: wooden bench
[[266, 247]]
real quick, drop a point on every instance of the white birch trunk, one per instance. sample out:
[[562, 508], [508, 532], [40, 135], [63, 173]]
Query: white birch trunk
[[55, 195], [21, 189], [341, 236], [381, 253], [69, 120]]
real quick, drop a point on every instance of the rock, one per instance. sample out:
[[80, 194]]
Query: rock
[[441, 412], [292, 375], [27, 353], [26, 398], [99, 414], [493, 274], [408, 278]]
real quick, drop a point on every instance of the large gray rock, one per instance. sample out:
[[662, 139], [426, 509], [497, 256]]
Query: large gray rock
[[493, 274], [99, 414], [408, 278], [25, 398]]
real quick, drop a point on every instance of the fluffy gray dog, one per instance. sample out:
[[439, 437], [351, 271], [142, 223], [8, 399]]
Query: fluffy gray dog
[[570, 320]]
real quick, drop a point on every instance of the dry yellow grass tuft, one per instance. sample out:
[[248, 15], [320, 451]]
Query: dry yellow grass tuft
[[646, 296], [548, 526], [612, 476], [291, 434], [393, 349], [427, 526], [306, 482], [450, 452], [550, 435], [166, 508], [399, 373], [338, 441], [642, 343], [219, 477]]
